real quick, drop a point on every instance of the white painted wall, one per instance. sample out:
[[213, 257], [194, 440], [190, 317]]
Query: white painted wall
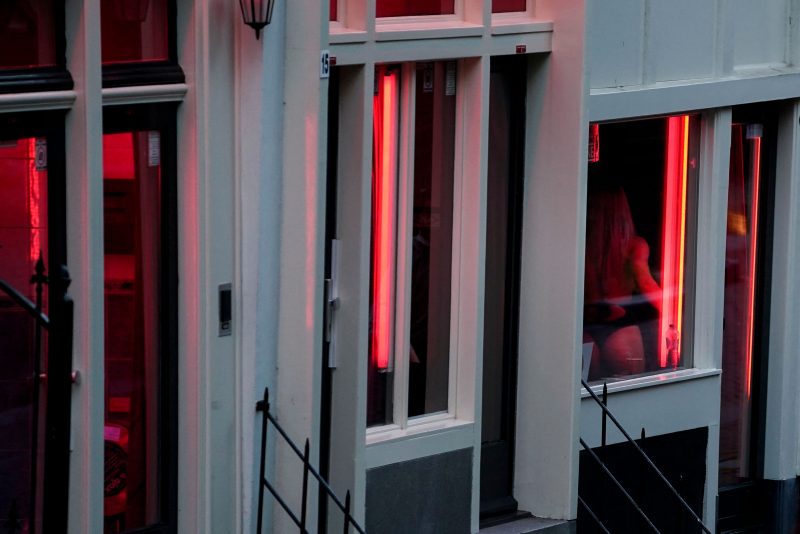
[[633, 43], [760, 32]]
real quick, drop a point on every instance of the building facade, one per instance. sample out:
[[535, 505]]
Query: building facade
[[420, 226]]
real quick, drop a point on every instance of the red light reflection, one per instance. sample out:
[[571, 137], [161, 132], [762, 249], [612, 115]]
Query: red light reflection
[[674, 233]]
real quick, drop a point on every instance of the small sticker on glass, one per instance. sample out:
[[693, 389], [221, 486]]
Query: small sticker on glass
[[154, 149], [41, 154], [450, 86]]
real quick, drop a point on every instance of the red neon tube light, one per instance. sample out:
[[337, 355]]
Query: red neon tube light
[[34, 202], [755, 148], [384, 204], [673, 245]]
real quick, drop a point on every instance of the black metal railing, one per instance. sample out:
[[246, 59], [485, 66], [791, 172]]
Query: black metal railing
[[301, 521], [606, 414], [15, 521]]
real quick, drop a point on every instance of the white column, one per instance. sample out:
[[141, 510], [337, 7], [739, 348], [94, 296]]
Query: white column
[[781, 448], [84, 200], [302, 243], [546, 472]]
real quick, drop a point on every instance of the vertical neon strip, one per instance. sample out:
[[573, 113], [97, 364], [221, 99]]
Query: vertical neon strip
[[674, 230], [383, 238], [34, 201], [751, 299], [678, 319]]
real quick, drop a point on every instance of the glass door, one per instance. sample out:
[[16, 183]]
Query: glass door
[[745, 326], [34, 388], [140, 320]]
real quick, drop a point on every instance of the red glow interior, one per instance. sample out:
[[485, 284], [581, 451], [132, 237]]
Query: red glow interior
[[507, 6], [384, 202], [27, 33], [134, 31], [674, 232], [404, 8], [334, 12]]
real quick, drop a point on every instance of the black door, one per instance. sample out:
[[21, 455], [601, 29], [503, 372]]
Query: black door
[[35, 325], [503, 238], [330, 236]]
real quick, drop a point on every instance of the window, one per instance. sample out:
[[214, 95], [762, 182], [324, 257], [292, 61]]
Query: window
[[412, 241], [140, 320], [134, 31], [27, 34], [403, 8], [508, 6], [139, 44], [642, 178], [32, 46]]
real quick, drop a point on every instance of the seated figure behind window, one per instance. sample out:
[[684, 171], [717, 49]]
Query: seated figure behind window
[[619, 291]]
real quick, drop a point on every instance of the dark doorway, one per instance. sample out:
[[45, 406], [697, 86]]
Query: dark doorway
[[503, 238], [330, 236], [748, 262]]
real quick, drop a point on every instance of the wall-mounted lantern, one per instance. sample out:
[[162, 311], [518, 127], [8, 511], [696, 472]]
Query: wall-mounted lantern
[[257, 13]]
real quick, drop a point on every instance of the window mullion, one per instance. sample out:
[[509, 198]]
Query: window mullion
[[405, 219]]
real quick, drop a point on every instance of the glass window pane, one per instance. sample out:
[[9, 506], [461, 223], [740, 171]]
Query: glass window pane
[[132, 226], [23, 238], [334, 11], [641, 178], [506, 6], [134, 30], [27, 34], [741, 279], [432, 237], [402, 8]]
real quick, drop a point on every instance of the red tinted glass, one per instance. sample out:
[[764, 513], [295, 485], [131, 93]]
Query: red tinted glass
[[507, 6], [27, 34], [334, 10], [402, 8], [23, 237], [739, 339], [134, 30], [132, 245]]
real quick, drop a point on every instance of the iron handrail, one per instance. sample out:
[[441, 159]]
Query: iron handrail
[[263, 406], [25, 303], [593, 515], [607, 413], [619, 486]]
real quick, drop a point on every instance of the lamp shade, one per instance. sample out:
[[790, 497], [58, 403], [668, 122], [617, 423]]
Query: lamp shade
[[257, 13]]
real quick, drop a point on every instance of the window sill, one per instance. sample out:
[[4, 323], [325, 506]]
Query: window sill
[[660, 379], [398, 31], [339, 34], [391, 444], [508, 26]]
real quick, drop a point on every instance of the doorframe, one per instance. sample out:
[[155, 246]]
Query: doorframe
[[516, 67]]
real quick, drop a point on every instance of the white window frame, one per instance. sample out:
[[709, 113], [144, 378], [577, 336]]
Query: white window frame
[[401, 424]]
